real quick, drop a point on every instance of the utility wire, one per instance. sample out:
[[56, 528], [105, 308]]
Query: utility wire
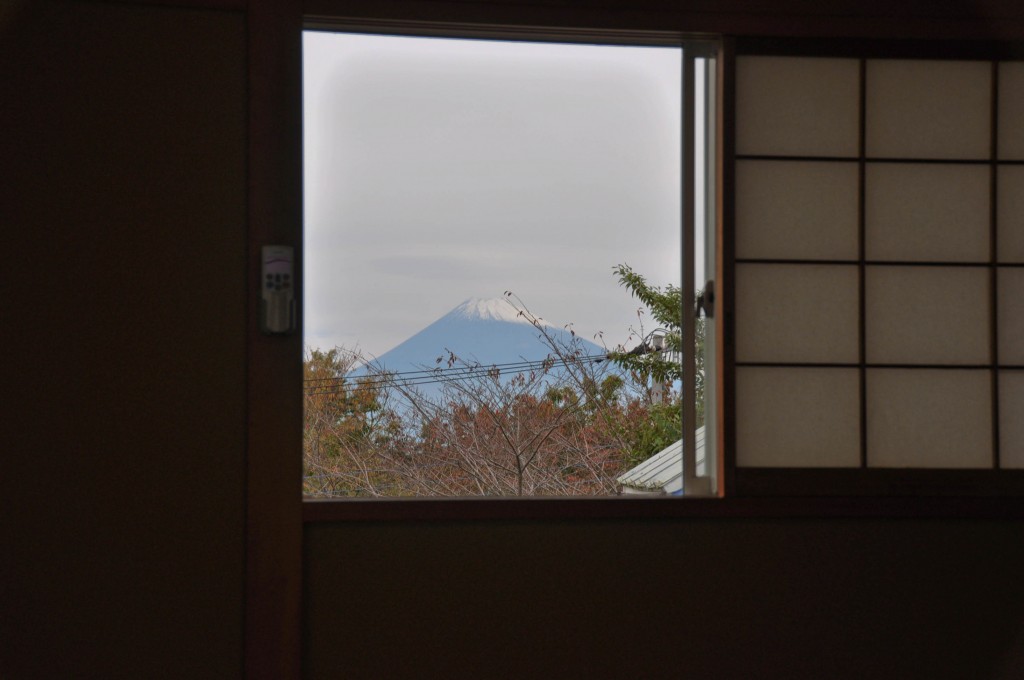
[[445, 374], [337, 386], [472, 367], [354, 389]]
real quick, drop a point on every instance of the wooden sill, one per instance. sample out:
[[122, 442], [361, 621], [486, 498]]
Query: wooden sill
[[624, 508]]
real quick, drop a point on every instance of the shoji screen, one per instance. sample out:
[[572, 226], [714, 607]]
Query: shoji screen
[[879, 245]]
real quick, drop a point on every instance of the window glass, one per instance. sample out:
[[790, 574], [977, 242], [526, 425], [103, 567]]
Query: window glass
[[492, 257]]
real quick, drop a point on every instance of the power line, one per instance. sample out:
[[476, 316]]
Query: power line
[[473, 367], [439, 375], [455, 371], [425, 380]]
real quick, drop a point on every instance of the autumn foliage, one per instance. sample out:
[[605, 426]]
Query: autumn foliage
[[565, 426], [568, 426]]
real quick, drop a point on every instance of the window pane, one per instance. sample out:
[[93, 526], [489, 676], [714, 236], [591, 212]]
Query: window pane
[[927, 315], [803, 313], [796, 210], [929, 418], [1010, 308], [1011, 110], [928, 109], [1011, 425], [930, 213], [1010, 217], [466, 203], [701, 470], [792, 106], [798, 417]]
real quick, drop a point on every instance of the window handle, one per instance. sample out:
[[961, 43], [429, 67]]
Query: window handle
[[706, 301]]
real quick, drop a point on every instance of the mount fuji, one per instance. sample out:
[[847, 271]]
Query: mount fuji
[[478, 332]]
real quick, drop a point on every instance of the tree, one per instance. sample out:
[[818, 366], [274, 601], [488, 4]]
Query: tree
[[567, 426], [618, 404], [666, 307], [345, 424], [523, 434]]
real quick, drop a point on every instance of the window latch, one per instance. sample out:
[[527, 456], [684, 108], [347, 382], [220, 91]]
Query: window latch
[[706, 301]]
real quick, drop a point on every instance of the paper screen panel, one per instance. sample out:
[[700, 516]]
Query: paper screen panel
[[1011, 110], [929, 418], [928, 109], [797, 417], [796, 313], [796, 106], [796, 210], [930, 213], [1011, 419], [1010, 306], [927, 315], [1010, 215]]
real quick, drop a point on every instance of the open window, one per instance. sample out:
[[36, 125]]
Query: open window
[[478, 213]]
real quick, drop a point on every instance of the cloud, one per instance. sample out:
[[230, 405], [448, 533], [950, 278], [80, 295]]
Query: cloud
[[439, 170]]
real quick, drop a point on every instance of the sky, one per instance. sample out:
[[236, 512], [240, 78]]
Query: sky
[[438, 170]]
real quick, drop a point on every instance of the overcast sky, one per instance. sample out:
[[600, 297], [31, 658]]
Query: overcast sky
[[438, 170]]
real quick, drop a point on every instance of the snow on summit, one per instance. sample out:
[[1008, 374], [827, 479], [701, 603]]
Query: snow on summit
[[478, 332], [490, 309]]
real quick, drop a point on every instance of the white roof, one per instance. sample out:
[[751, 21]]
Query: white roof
[[662, 472]]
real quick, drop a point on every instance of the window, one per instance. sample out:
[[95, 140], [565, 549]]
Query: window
[[466, 203], [876, 277]]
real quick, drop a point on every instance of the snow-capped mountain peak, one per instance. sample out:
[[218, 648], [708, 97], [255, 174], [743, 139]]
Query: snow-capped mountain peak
[[490, 309], [479, 332]]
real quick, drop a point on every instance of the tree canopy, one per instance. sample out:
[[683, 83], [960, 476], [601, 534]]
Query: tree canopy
[[569, 426], [665, 305]]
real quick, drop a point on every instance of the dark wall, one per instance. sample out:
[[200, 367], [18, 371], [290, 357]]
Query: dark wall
[[123, 437], [122, 175], [696, 599], [793, 598]]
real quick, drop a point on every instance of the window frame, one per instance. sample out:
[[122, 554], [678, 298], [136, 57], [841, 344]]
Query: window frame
[[275, 511], [733, 482], [693, 49]]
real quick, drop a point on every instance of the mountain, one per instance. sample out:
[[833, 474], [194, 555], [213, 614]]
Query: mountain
[[479, 332]]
